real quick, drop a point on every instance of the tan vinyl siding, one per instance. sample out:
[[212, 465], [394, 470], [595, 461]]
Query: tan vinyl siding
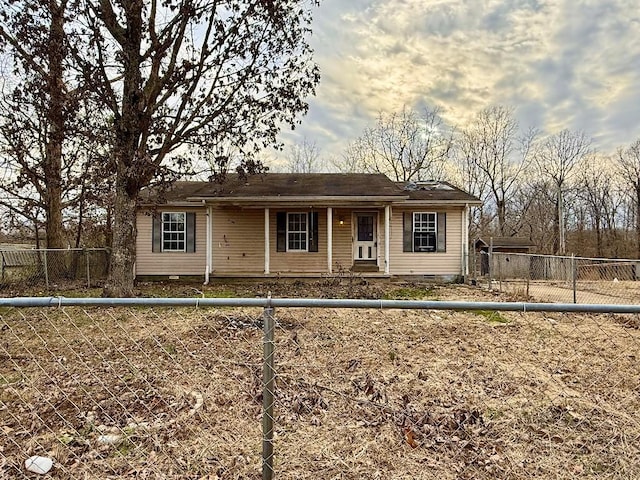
[[170, 263], [342, 250], [432, 263], [299, 262], [238, 240]]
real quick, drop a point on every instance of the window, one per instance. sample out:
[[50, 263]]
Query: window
[[425, 232], [174, 232], [297, 232]]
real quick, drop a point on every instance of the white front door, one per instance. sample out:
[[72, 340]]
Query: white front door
[[364, 246]]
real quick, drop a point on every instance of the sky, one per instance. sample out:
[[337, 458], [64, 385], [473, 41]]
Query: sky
[[558, 63]]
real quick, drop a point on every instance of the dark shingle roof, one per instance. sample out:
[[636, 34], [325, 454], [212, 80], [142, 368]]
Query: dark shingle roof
[[285, 185], [436, 191], [303, 184]]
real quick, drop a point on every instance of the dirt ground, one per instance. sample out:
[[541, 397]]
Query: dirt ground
[[591, 292], [156, 393]]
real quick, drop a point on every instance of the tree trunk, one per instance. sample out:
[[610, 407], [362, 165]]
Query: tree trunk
[[556, 227], [123, 251], [598, 228], [638, 220], [501, 206], [129, 152], [56, 122]]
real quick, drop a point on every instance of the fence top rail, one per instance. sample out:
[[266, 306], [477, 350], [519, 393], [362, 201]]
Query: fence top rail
[[593, 259], [88, 249], [24, 302]]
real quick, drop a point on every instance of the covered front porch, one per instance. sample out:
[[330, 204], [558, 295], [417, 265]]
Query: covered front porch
[[287, 240]]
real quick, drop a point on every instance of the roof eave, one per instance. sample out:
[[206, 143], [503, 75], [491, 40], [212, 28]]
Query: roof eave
[[442, 202], [299, 199]]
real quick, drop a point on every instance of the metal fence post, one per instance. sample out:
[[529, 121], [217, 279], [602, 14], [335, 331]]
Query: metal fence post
[[529, 274], [86, 260], [46, 270], [491, 264], [574, 277], [268, 393], [474, 268]]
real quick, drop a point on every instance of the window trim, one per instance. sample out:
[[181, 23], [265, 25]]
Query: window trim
[[304, 215], [414, 231], [183, 232]]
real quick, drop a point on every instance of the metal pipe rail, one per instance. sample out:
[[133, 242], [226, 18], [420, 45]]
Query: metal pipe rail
[[23, 302]]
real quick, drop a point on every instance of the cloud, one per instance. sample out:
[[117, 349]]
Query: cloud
[[560, 63]]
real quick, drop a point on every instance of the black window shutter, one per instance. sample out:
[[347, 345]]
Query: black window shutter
[[441, 245], [281, 231], [156, 232], [191, 232], [313, 231], [407, 243]]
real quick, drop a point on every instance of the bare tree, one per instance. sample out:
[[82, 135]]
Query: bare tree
[[354, 159], [39, 108], [558, 159], [470, 178], [494, 156], [628, 163], [532, 204], [406, 146], [595, 191], [304, 157], [180, 73]]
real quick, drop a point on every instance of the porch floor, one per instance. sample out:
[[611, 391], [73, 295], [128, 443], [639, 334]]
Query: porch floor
[[367, 274]]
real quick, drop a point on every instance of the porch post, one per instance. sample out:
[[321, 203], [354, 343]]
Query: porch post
[[465, 241], [266, 242], [387, 236], [329, 239], [208, 241]]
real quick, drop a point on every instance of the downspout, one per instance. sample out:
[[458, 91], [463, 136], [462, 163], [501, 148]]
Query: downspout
[[208, 245], [267, 244], [329, 240], [465, 242]]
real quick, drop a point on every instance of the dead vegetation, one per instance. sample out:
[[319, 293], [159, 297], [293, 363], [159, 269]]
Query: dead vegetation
[[389, 394]]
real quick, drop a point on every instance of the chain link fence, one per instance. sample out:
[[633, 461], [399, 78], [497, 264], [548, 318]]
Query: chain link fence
[[566, 279], [52, 268], [461, 390]]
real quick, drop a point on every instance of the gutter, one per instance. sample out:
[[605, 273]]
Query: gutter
[[300, 199]]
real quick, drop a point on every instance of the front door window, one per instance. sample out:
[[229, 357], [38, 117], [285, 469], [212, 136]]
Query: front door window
[[365, 228], [365, 235]]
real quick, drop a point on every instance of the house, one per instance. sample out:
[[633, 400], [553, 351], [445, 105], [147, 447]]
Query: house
[[300, 225]]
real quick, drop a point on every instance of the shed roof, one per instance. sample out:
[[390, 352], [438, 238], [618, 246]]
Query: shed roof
[[505, 242]]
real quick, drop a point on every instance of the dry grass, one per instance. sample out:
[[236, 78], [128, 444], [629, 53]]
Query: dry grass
[[360, 394]]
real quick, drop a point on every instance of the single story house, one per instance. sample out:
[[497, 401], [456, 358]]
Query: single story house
[[305, 225]]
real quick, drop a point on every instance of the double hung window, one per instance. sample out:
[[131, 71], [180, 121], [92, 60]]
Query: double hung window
[[297, 232], [174, 232], [425, 232]]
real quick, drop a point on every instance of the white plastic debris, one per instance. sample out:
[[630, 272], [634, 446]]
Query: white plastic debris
[[38, 464], [111, 439]]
